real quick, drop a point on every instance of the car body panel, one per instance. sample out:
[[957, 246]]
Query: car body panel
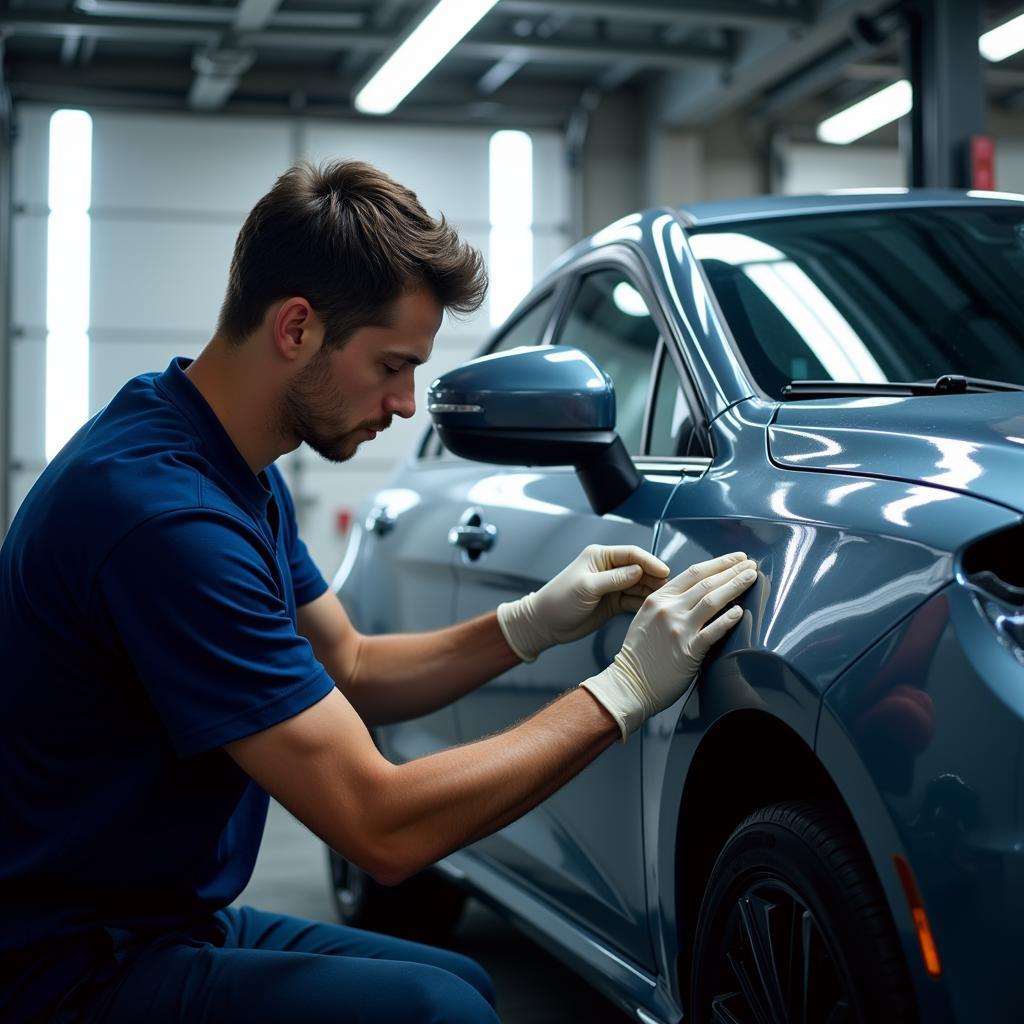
[[802, 630], [951, 786], [972, 444], [562, 846]]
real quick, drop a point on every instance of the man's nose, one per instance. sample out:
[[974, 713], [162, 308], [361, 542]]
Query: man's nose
[[401, 403]]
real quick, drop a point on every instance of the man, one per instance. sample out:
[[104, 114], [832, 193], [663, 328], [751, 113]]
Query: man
[[172, 655]]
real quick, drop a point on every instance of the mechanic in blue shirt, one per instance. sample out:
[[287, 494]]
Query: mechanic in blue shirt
[[171, 655]]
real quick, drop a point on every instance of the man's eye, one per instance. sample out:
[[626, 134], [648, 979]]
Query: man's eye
[[392, 369]]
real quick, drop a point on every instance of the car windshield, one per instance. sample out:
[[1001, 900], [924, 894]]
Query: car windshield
[[891, 295]]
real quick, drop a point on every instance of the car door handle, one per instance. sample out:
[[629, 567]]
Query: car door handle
[[473, 538], [380, 521]]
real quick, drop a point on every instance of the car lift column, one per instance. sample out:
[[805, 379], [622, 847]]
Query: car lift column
[[944, 67]]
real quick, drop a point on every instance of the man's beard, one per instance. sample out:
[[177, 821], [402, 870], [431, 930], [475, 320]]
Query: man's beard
[[313, 411]]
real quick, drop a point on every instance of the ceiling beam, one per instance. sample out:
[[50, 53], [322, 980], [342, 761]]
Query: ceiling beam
[[218, 71], [217, 15], [485, 113], [720, 13], [270, 83], [485, 47], [697, 97], [999, 77], [492, 47], [56, 26]]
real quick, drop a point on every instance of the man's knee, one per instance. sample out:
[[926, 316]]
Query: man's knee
[[470, 971], [444, 997]]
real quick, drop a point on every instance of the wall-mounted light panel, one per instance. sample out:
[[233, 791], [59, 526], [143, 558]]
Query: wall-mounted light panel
[[67, 276], [511, 216]]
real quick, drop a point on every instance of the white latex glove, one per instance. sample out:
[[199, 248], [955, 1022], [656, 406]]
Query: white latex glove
[[668, 639], [599, 583]]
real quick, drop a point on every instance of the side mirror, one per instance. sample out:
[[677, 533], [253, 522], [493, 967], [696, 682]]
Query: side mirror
[[537, 406]]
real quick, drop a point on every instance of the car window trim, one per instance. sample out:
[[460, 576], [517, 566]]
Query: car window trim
[[626, 261]]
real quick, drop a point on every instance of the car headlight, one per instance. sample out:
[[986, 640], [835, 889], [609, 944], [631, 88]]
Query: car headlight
[[994, 572]]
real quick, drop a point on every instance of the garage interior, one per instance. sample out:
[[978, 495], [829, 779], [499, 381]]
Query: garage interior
[[196, 106]]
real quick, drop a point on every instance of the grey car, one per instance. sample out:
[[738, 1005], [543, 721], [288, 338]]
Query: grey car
[[831, 827]]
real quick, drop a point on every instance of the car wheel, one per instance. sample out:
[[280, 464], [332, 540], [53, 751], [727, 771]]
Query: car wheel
[[794, 928], [425, 907]]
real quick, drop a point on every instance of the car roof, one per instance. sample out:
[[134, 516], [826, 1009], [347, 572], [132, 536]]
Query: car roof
[[760, 207]]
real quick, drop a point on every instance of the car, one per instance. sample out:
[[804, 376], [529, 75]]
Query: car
[[830, 828]]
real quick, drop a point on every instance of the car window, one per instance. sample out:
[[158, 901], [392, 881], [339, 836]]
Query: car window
[[610, 321], [671, 421], [529, 328]]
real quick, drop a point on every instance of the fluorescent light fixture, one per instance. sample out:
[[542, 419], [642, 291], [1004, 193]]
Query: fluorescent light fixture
[[511, 216], [68, 236], [419, 54], [1004, 40], [866, 116]]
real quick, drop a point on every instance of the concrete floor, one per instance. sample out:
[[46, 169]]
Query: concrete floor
[[291, 878]]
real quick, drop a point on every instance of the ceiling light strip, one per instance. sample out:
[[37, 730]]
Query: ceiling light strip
[[869, 114], [421, 51]]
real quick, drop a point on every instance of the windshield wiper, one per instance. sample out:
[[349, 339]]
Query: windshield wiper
[[947, 384]]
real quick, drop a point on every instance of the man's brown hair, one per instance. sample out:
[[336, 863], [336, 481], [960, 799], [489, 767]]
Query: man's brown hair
[[349, 240]]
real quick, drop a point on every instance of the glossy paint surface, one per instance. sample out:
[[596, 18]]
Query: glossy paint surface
[[972, 444], [861, 655], [555, 388], [929, 716]]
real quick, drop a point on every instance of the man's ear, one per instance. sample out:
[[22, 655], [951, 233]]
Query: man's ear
[[297, 328]]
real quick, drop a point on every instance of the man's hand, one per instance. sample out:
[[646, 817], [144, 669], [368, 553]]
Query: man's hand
[[668, 639], [599, 583]]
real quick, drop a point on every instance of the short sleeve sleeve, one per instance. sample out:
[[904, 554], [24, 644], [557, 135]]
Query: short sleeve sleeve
[[194, 602], [307, 579]]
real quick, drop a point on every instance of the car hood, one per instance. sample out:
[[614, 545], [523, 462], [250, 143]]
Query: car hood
[[971, 443]]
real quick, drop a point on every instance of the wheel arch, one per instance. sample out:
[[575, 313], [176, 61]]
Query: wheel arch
[[721, 789]]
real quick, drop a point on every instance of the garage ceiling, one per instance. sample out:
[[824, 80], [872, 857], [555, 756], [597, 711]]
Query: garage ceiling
[[527, 62]]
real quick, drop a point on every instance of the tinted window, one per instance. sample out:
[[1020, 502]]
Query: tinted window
[[529, 328], [610, 321], [902, 295], [672, 422]]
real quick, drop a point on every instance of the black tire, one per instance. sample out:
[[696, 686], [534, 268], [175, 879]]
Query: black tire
[[793, 896], [425, 907]]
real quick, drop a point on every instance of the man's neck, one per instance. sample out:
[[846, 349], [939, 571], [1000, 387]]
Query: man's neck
[[242, 400]]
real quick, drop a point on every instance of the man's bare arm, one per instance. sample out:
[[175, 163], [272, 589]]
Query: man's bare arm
[[399, 676], [394, 820]]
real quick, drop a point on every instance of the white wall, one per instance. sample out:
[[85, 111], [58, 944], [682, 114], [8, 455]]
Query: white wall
[[816, 167], [169, 195]]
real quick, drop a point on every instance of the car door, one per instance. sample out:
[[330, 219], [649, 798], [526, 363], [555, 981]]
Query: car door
[[583, 847], [405, 540]]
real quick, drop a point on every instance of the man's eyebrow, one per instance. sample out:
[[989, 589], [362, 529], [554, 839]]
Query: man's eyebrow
[[407, 356]]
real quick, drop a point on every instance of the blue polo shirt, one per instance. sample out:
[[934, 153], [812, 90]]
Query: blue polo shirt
[[148, 588]]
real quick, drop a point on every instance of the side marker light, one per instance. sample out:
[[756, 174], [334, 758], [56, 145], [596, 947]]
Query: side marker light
[[925, 939]]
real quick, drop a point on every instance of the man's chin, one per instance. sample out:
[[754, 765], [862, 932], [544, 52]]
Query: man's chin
[[340, 451]]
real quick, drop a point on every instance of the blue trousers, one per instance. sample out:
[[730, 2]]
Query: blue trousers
[[271, 968]]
